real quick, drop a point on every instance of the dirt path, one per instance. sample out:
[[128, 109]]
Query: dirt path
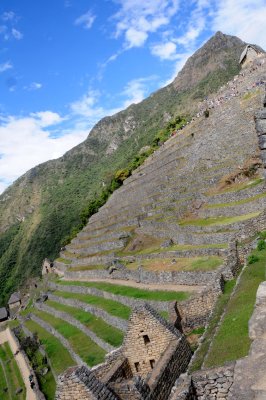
[[154, 286]]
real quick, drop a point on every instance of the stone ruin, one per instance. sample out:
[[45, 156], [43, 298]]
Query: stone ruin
[[153, 355]]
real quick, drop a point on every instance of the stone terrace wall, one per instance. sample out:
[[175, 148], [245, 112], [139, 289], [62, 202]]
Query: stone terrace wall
[[214, 383], [195, 312], [140, 275], [209, 384], [260, 119]]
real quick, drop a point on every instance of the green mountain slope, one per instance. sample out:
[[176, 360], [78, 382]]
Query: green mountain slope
[[43, 206]]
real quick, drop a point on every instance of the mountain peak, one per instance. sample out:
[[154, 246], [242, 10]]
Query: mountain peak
[[216, 53]]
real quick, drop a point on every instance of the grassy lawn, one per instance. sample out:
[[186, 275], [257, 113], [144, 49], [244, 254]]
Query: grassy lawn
[[159, 295], [3, 384], [82, 345], [218, 220], [232, 340], [12, 372], [104, 331], [207, 263], [110, 306], [236, 203], [210, 331], [53, 348]]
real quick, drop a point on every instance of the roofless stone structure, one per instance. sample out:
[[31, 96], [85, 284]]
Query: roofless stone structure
[[154, 353]]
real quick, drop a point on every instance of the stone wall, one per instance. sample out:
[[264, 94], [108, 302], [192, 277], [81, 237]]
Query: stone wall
[[209, 384], [147, 338], [81, 384], [214, 383], [147, 277], [260, 119], [173, 363], [196, 311]]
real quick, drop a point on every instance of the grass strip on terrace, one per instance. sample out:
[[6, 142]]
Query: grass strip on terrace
[[12, 372], [82, 345], [236, 203], [232, 340], [104, 331], [177, 247], [56, 352], [218, 220], [112, 307], [128, 291], [3, 385], [207, 263], [210, 330]]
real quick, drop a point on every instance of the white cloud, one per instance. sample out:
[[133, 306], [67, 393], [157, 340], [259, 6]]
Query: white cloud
[[135, 38], [243, 18], [86, 20], [16, 34], [5, 66], [27, 141], [8, 16], [33, 86], [165, 51], [136, 90], [136, 19]]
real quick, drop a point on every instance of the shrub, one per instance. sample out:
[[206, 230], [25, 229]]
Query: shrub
[[252, 259], [261, 245], [263, 235]]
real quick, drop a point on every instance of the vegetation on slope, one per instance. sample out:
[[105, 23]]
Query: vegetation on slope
[[232, 340]]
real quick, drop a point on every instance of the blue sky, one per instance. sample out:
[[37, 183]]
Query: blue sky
[[64, 64]]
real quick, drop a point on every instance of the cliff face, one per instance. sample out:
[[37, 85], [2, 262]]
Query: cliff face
[[43, 205]]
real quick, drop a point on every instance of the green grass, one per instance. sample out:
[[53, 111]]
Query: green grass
[[82, 345], [3, 385], [13, 375], [218, 220], [86, 268], [210, 330], [56, 352], [157, 295], [112, 307], [236, 203], [232, 340], [63, 260], [207, 263], [104, 331]]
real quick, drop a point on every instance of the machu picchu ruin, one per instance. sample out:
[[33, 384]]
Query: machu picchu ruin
[[155, 287]]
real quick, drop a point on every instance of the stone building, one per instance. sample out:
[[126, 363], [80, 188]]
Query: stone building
[[153, 355], [47, 266], [3, 314], [14, 301], [249, 54]]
